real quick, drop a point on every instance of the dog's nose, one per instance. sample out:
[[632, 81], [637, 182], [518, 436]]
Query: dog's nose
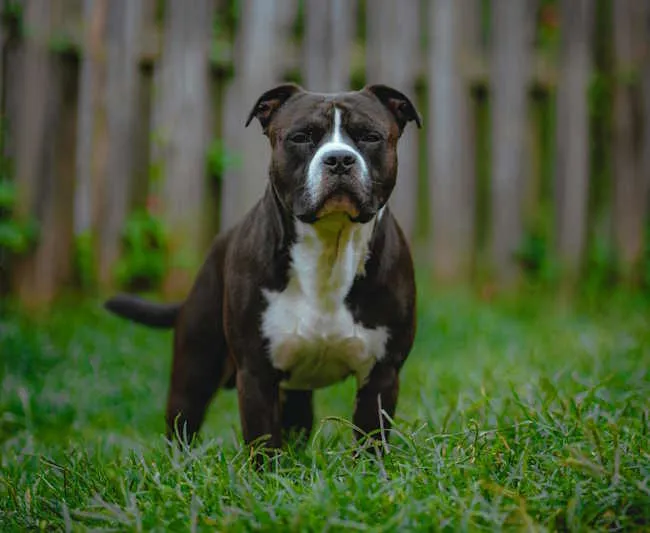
[[339, 162]]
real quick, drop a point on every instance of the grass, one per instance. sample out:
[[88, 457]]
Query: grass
[[511, 416]]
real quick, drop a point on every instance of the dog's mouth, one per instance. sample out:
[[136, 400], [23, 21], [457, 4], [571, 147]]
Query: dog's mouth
[[339, 204], [342, 203]]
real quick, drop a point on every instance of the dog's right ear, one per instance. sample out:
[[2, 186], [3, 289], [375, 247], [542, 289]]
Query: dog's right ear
[[270, 102]]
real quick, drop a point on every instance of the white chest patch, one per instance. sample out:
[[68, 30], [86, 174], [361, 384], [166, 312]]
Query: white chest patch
[[311, 333]]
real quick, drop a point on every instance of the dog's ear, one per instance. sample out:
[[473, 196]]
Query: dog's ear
[[270, 102], [397, 103]]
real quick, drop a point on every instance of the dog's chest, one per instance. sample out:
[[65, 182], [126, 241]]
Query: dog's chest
[[312, 334]]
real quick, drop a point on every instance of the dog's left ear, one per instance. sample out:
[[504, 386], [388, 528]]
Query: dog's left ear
[[397, 103], [270, 102]]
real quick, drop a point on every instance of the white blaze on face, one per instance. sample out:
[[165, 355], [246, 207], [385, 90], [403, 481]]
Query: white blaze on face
[[335, 143]]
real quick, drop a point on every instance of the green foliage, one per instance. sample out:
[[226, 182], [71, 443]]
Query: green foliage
[[646, 260], [85, 260], [220, 159], [548, 30], [11, 10], [16, 237], [298, 28], [155, 172], [293, 75], [224, 28], [536, 258], [159, 11], [143, 261], [62, 43], [357, 79], [511, 417], [599, 95], [225, 21], [600, 268]]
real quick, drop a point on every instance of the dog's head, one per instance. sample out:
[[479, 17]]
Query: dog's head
[[333, 153]]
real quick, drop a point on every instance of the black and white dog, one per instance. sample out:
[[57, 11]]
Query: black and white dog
[[316, 282]]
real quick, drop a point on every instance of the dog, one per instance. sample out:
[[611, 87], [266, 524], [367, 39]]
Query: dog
[[314, 285]]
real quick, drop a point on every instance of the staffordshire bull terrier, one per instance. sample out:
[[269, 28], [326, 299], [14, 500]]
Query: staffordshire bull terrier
[[314, 285]]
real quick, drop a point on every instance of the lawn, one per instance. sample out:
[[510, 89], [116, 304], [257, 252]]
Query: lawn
[[522, 415]]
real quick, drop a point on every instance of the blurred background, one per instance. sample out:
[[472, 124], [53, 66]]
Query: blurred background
[[123, 149]]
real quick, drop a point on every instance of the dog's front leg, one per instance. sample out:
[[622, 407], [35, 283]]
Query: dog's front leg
[[378, 394], [259, 408]]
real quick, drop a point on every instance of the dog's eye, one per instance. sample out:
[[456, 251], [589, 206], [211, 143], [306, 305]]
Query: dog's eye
[[370, 137], [301, 137]]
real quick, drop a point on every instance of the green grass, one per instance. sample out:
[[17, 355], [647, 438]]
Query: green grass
[[511, 416]]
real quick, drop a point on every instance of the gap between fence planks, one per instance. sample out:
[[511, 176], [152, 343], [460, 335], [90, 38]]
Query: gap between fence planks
[[181, 129]]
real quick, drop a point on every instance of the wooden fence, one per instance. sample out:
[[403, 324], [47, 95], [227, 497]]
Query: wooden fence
[[536, 124]]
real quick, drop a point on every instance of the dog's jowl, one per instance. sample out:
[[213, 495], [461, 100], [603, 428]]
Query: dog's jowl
[[313, 286]]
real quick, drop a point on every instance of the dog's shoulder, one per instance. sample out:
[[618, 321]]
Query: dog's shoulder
[[389, 280], [389, 250]]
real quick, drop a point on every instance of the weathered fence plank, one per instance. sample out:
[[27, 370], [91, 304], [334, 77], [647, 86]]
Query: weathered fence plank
[[122, 91], [630, 201], [572, 134], [35, 276], [33, 114], [181, 130], [512, 24], [327, 51], [257, 68], [451, 181], [91, 116], [113, 122], [392, 50]]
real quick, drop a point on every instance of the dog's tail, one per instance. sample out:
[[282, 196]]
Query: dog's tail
[[138, 310]]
